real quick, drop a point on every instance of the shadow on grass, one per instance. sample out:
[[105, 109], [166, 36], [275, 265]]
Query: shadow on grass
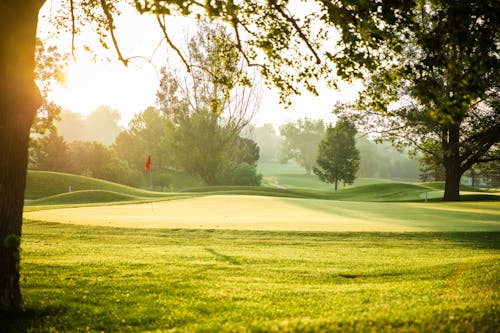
[[223, 257], [28, 319]]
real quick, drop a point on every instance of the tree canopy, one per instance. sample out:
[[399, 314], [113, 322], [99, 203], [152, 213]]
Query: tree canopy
[[434, 79]]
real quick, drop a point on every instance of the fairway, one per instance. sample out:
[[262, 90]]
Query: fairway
[[240, 212]]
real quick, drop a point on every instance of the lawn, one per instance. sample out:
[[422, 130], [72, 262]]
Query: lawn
[[93, 279], [372, 258], [291, 175]]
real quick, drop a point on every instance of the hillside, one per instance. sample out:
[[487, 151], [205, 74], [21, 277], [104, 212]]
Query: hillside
[[42, 184]]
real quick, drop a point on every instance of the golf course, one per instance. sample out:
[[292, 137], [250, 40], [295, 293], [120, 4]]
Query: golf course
[[373, 257]]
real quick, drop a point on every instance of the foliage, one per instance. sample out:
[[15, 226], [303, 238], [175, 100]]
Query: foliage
[[52, 153], [434, 76], [300, 142], [144, 137], [49, 70], [245, 150], [209, 108], [338, 158], [243, 174], [430, 164]]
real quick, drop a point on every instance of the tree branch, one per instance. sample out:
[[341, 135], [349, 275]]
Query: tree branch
[[293, 22], [73, 32], [235, 22], [111, 28], [169, 41]]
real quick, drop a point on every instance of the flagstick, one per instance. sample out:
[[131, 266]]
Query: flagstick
[[152, 187]]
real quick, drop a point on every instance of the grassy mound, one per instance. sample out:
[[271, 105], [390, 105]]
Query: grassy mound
[[85, 196], [51, 188], [384, 192], [42, 184], [373, 192]]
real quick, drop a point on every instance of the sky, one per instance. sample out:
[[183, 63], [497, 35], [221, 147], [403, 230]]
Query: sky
[[93, 82]]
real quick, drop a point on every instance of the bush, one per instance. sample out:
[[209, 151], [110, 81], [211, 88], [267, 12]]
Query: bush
[[244, 174]]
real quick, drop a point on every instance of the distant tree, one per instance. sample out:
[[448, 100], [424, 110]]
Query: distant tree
[[102, 125], [71, 126], [198, 145], [144, 137], [338, 158], [52, 153], [268, 141], [94, 159], [300, 142], [369, 164], [490, 173]]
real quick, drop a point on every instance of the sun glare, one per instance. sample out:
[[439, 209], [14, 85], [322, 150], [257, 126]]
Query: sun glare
[[89, 85]]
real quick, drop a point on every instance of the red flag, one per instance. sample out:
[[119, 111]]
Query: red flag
[[148, 163]]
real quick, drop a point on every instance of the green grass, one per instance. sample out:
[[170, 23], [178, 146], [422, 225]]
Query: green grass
[[291, 175], [40, 184], [51, 188], [382, 192], [92, 279]]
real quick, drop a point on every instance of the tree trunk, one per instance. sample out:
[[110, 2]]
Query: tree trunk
[[19, 100], [336, 182], [451, 161]]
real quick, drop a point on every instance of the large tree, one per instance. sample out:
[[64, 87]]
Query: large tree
[[19, 101], [300, 141], [434, 77], [338, 158]]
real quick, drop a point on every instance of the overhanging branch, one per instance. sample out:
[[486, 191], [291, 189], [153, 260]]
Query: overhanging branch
[[163, 27], [111, 28], [293, 22]]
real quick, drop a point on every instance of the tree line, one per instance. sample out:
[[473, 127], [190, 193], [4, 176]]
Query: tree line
[[195, 129]]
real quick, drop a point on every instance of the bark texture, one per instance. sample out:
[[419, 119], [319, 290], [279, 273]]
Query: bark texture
[[19, 100], [451, 161]]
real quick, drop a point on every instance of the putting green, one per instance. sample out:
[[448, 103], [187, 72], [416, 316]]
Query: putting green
[[271, 213]]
